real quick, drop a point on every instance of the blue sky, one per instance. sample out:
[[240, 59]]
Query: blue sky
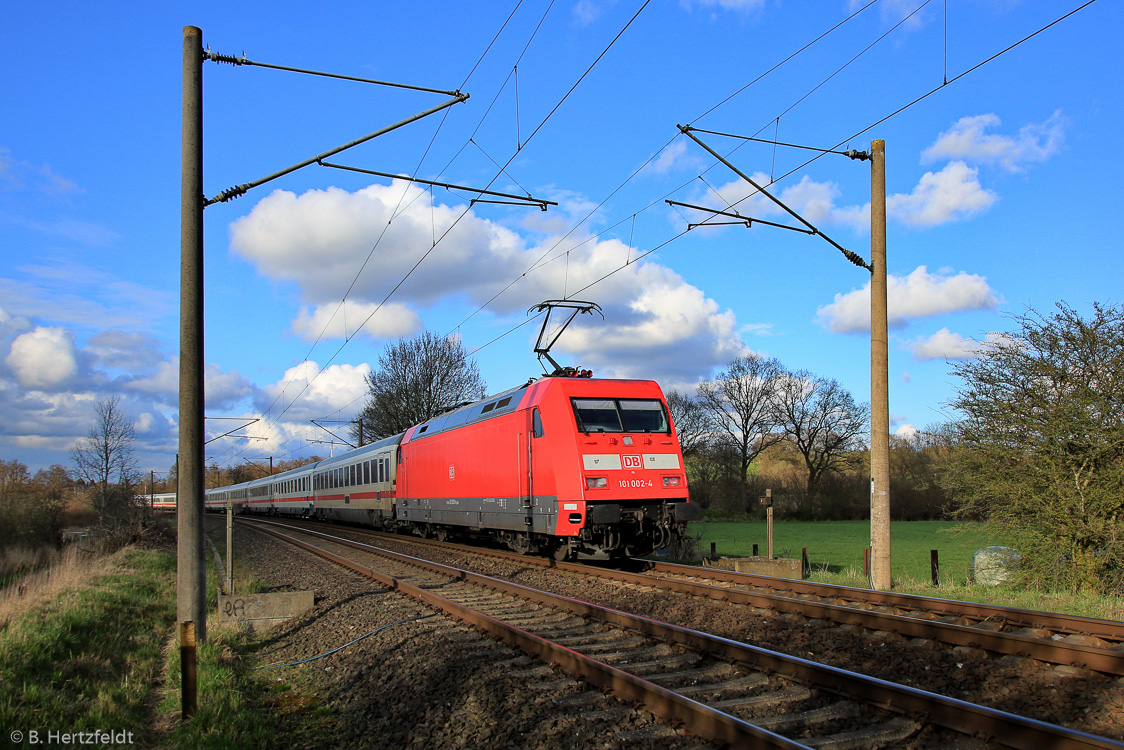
[[1002, 196]]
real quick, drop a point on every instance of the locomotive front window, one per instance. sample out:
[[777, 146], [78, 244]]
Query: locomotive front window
[[620, 415], [597, 415]]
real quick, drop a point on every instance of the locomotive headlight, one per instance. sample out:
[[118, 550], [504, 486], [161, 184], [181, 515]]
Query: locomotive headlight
[[597, 483], [672, 481]]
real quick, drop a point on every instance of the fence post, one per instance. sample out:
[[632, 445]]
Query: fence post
[[866, 562], [935, 566], [805, 566], [755, 550]]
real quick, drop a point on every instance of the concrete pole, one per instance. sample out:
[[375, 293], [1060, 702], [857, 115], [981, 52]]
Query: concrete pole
[[229, 546], [191, 584], [879, 377]]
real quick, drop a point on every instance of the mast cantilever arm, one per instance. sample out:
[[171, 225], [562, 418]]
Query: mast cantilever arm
[[848, 254]]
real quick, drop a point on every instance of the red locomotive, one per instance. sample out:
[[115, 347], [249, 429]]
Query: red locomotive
[[565, 465], [560, 465]]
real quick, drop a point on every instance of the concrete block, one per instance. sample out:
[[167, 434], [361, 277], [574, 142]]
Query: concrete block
[[263, 611], [779, 567]]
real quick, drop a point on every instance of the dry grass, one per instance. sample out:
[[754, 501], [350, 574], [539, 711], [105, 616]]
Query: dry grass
[[68, 572], [18, 558]]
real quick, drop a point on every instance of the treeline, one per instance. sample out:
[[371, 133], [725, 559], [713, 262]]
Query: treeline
[[33, 508], [758, 426]]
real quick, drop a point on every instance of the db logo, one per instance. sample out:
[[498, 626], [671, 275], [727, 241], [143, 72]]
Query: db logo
[[632, 462]]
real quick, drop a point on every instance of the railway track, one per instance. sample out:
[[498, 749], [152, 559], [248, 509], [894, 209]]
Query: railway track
[[720, 689], [1082, 642]]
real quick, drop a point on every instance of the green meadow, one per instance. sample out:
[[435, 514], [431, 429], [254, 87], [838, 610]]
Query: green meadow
[[837, 546], [835, 554]]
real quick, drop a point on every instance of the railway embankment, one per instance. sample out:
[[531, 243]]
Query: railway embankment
[[88, 657]]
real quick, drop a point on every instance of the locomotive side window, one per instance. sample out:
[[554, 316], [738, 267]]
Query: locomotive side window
[[536, 424], [620, 415]]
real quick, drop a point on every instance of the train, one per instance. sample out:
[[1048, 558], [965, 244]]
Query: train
[[566, 465]]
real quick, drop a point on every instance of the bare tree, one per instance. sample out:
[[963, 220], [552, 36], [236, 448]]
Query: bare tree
[[416, 380], [741, 404], [105, 460], [692, 422], [820, 417]]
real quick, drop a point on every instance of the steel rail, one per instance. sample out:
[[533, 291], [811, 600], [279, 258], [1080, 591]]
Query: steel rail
[[1096, 658], [697, 717], [1030, 618], [959, 716]]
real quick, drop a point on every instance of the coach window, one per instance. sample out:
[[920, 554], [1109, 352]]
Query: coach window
[[537, 423], [366, 472]]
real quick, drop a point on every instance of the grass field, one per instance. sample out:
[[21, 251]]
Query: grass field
[[835, 552], [837, 546]]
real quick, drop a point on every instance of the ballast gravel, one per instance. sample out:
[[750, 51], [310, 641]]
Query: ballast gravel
[[426, 681], [1067, 696]]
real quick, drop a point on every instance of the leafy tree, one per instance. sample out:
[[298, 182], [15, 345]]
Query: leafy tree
[[105, 459], [1039, 450], [820, 417], [741, 402], [417, 379]]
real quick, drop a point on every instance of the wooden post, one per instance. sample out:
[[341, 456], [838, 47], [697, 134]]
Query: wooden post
[[935, 567]]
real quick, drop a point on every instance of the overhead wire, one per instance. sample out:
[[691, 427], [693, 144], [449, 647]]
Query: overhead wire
[[319, 337], [887, 117], [540, 261], [884, 119], [457, 220]]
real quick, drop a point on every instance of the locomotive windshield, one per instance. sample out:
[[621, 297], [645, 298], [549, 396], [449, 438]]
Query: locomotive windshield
[[620, 415]]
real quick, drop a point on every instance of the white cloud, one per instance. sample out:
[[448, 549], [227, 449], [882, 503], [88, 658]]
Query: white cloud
[[10, 324], [81, 232], [675, 158], [221, 389], [738, 5], [967, 139], [952, 194], [43, 359], [39, 177], [945, 344], [306, 393], [906, 431], [670, 328], [124, 350], [392, 320], [918, 295], [475, 262], [893, 11], [85, 298], [588, 11]]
